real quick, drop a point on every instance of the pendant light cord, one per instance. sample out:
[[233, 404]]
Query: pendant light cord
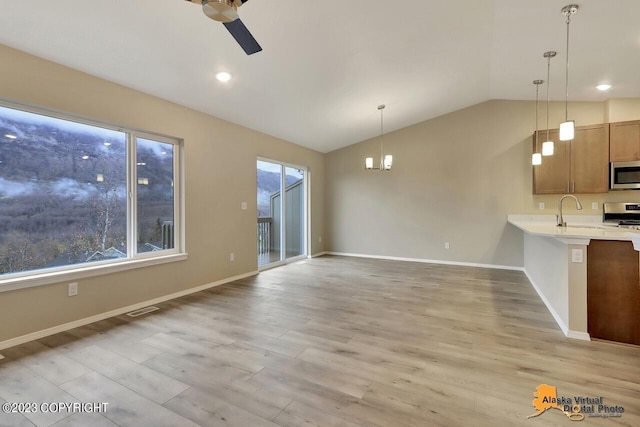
[[566, 99], [537, 92], [548, 84], [381, 108], [381, 132]]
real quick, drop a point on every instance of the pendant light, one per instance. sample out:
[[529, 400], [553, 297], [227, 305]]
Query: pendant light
[[385, 161], [568, 127], [547, 146], [536, 158]]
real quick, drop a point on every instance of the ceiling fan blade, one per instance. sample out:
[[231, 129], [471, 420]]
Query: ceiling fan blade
[[243, 36]]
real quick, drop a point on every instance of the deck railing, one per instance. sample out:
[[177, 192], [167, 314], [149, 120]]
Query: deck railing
[[264, 235]]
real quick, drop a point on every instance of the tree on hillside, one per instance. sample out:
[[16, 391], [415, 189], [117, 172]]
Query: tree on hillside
[[19, 253], [108, 208]]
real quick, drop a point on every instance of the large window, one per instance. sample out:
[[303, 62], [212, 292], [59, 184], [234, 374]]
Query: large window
[[74, 192]]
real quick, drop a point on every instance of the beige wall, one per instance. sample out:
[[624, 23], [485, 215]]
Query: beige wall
[[220, 173], [454, 179], [622, 110]]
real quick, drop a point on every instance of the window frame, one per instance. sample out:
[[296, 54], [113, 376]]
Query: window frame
[[134, 259]]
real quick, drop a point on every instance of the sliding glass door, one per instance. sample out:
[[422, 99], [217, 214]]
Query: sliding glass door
[[269, 186], [281, 219]]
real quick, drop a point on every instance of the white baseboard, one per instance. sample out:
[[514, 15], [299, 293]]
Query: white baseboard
[[565, 329], [81, 322], [319, 254], [428, 261], [583, 336]]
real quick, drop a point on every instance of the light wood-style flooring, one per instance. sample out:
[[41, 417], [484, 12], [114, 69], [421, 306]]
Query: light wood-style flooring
[[328, 342]]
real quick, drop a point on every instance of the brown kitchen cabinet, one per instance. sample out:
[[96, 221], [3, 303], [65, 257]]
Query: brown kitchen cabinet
[[624, 138], [579, 166], [554, 174], [613, 291]]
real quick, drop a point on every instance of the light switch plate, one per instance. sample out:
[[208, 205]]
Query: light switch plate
[[243, 206], [576, 255], [594, 206], [540, 205]]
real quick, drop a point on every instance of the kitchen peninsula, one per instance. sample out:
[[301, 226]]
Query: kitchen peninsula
[[556, 263]]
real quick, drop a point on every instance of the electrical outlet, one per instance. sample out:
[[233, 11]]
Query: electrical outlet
[[540, 205], [594, 206], [243, 206], [232, 257], [576, 255], [447, 245], [72, 289]]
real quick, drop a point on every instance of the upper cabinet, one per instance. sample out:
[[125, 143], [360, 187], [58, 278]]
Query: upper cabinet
[[590, 160], [554, 174], [579, 166], [625, 141]]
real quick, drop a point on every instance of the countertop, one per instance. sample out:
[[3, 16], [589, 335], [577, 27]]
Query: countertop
[[578, 227]]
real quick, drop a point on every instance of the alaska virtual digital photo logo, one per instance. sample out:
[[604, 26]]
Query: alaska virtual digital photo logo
[[575, 408]]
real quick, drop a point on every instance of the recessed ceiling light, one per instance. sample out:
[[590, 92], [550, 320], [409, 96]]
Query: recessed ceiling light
[[223, 76], [603, 87], [11, 136]]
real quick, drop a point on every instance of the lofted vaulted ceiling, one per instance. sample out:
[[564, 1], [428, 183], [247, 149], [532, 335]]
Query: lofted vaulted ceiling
[[326, 65]]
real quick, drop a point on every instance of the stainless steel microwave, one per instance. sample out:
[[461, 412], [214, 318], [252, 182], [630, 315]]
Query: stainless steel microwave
[[625, 175]]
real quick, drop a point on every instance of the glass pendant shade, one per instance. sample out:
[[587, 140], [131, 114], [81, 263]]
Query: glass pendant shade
[[368, 163], [388, 161], [547, 148], [536, 159], [567, 130]]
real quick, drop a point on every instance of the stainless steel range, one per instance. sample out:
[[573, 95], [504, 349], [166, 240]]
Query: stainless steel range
[[625, 215]]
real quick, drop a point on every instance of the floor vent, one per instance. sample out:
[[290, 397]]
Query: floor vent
[[142, 311]]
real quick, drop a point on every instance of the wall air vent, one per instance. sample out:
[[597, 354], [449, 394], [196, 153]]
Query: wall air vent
[[140, 312]]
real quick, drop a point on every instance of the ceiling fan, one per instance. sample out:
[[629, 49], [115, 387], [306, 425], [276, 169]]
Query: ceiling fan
[[226, 11]]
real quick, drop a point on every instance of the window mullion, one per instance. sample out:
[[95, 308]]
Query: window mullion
[[132, 179], [283, 212]]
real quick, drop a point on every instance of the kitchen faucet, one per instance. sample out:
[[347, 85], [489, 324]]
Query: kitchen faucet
[[560, 221]]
